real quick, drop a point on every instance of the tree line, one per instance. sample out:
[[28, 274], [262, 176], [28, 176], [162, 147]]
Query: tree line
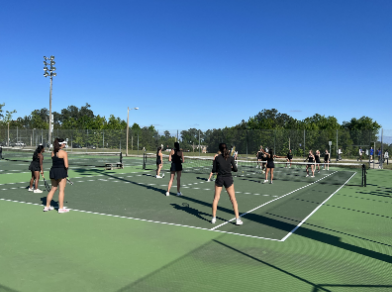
[[269, 128]]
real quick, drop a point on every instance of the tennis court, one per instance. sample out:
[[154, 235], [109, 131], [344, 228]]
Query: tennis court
[[123, 234]]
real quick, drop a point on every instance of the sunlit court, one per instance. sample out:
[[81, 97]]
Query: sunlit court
[[187, 146]]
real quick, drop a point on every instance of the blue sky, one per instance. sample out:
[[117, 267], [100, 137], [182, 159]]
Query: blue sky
[[203, 64]]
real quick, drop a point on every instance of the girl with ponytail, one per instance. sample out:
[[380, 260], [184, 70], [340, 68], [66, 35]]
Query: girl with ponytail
[[176, 158], [223, 165], [58, 175], [36, 167]]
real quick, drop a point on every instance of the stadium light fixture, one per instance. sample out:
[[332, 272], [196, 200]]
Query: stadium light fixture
[[50, 72], [135, 108]]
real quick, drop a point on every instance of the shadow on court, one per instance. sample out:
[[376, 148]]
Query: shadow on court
[[275, 223]]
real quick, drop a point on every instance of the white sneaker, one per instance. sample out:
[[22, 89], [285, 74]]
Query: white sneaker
[[163, 175], [238, 222], [265, 181], [31, 189], [307, 175], [167, 194], [271, 182], [318, 171], [208, 180], [63, 210], [312, 176], [213, 220], [47, 209], [179, 194], [263, 171], [289, 166], [157, 176], [37, 191]]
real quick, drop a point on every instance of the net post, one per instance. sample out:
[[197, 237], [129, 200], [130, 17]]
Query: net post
[[144, 160], [121, 157], [363, 175]]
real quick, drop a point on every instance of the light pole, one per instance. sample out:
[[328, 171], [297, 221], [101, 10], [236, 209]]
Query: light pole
[[135, 108], [50, 72]]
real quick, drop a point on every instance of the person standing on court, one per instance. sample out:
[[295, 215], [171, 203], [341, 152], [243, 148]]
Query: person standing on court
[[58, 175], [176, 158], [36, 167], [223, 165], [386, 156], [1, 152], [270, 165], [360, 154], [371, 153], [159, 163]]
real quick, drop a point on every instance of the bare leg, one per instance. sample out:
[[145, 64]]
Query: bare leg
[[178, 181], [172, 173], [32, 179], [307, 169], [231, 192], [51, 193], [36, 174], [218, 191], [313, 170], [209, 178], [272, 174], [266, 174], [62, 185], [159, 169]]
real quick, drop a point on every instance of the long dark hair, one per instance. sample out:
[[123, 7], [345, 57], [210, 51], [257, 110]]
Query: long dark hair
[[159, 148], [271, 152], [56, 144], [177, 146], [223, 149], [37, 151]]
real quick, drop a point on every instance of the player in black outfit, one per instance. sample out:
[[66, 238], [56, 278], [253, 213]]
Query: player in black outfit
[[289, 158], [1, 152], [317, 157], [327, 158], [159, 162], [259, 156], [223, 165], [310, 159], [36, 167], [58, 175], [176, 158], [270, 164]]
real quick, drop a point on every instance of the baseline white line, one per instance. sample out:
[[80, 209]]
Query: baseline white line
[[150, 221], [262, 205], [318, 207]]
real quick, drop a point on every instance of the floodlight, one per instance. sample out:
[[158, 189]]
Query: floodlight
[[136, 108], [54, 74], [52, 57]]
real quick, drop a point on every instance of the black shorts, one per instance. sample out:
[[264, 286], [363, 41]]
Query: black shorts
[[289, 157], [34, 166], [225, 181], [176, 167], [309, 165], [270, 164]]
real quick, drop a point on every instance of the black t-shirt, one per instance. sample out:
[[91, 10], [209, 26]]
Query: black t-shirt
[[224, 167]]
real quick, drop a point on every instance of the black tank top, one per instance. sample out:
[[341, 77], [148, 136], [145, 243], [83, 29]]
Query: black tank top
[[57, 162], [36, 158], [270, 159], [310, 157], [159, 159], [176, 158], [317, 158], [326, 156]]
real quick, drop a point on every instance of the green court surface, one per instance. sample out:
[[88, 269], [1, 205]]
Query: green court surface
[[123, 234]]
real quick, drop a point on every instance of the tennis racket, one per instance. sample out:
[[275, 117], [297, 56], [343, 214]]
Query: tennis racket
[[47, 187], [70, 182]]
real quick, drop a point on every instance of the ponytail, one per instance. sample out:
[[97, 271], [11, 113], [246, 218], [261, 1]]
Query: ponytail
[[56, 144], [37, 151], [223, 149], [177, 146], [159, 148]]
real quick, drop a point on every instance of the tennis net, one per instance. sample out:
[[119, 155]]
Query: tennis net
[[295, 171], [75, 159]]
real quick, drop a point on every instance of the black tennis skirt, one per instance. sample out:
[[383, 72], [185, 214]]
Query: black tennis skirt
[[58, 173], [270, 164], [176, 167], [34, 166]]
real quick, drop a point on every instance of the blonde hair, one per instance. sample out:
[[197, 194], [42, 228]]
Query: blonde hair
[[218, 152]]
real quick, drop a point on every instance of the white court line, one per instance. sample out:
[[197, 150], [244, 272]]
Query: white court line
[[150, 221], [318, 207], [262, 205]]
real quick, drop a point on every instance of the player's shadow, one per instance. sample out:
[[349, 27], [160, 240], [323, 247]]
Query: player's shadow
[[53, 203], [192, 211]]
